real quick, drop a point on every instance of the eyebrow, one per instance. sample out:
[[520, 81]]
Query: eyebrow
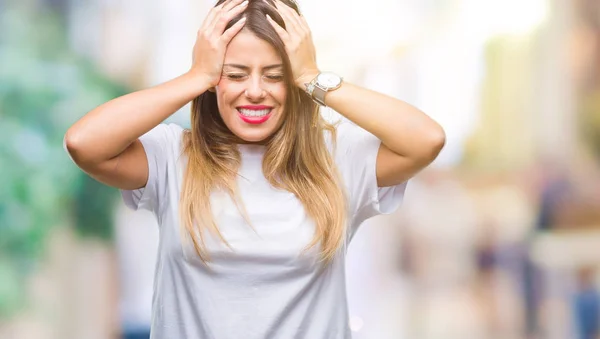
[[246, 68]]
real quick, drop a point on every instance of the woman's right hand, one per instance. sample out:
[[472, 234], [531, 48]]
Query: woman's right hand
[[212, 40]]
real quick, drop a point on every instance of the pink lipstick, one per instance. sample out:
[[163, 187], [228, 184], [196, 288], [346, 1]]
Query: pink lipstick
[[254, 114]]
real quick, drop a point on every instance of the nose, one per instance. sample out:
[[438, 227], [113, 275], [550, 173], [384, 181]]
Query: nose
[[255, 90]]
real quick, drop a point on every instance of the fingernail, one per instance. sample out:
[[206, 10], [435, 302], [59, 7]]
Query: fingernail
[[244, 3]]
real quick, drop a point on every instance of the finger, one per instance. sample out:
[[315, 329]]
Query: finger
[[219, 11], [281, 6], [283, 34], [289, 28], [304, 24], [214, 12], [229, 4], [274, 7], [291, 24], [292, 14], [222, 21], [233, 30]]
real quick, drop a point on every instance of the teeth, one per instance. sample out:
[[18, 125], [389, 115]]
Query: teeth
[[254, 113]]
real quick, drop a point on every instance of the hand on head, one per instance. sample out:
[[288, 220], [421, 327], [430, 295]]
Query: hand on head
[[298, 43], [212, 39]]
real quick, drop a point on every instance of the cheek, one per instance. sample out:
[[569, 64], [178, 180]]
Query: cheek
[[278, 93], [228, 91]]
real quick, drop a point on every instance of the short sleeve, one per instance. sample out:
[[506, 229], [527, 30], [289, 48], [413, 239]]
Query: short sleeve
[[356, 157], [159, 144]]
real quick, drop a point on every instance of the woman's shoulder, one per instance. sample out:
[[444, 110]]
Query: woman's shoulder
[[165, 138], [175, 130], [165, 133], [340, 129]]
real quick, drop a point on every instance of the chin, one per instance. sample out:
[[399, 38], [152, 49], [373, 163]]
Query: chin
[[253, 136], [254, 133]]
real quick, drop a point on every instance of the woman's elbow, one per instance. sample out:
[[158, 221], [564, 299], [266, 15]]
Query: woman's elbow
[[70, 142], [433, 144], [74, 146]]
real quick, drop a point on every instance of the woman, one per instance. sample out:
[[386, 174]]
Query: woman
[[258, 200]]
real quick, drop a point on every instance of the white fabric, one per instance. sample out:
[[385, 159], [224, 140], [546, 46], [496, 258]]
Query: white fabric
[[264, 288]]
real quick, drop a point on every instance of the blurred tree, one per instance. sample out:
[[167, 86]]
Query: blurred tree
[[588, 17], [44, 89], [590, 121]]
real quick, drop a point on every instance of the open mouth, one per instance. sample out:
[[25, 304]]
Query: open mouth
[[254, 114]]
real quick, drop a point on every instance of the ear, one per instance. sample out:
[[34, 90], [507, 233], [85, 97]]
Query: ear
[[212, 89]]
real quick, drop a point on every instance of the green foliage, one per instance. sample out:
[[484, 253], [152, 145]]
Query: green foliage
[[44, 89], [590, 121]]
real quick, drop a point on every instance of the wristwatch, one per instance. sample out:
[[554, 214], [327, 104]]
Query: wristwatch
[[323, 83]]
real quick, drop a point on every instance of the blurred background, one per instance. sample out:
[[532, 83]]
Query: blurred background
[[499, 238]]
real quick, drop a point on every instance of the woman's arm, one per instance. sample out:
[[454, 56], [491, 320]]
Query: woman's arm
[[104, 143], [410, 139]]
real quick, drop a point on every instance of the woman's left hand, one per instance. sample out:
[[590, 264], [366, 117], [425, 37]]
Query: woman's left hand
[[298, 44]]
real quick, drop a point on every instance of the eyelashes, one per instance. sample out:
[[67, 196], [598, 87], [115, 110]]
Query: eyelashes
[[274, 77], [234, 76], [242, 77]]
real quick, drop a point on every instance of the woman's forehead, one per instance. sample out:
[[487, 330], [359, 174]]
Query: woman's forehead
[[249, 50]]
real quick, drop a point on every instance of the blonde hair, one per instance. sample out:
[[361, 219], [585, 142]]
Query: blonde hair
[[296, 157]]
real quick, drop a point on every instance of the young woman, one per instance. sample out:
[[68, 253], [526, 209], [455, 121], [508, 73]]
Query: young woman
[[258, 200]]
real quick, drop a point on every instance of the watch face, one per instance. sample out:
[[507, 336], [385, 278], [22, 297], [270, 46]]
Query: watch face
[[329, 80]]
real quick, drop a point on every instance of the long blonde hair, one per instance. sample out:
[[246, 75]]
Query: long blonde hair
[[296, 157]]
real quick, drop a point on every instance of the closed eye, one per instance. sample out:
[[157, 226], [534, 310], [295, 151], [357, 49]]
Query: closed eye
[[275, 77], [235, 76]]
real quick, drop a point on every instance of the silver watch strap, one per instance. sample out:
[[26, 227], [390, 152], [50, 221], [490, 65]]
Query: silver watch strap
[[318, 95], [310, 87], [315, 92]]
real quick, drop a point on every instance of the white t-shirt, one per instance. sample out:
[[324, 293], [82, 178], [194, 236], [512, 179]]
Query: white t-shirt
[[263, 289]]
